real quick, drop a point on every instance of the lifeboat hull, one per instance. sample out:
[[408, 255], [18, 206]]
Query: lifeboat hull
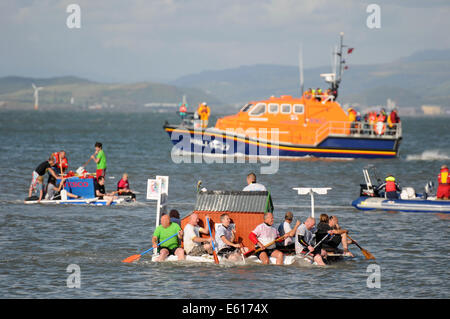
[[216, 142]]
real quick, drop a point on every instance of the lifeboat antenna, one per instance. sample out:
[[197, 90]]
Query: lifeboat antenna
[[300, 65]]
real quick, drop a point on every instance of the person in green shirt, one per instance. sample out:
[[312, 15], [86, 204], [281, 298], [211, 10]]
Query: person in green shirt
[[172, 246], [100, 158]]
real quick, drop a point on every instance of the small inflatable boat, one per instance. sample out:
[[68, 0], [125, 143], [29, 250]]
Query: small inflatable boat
[[408, 200]]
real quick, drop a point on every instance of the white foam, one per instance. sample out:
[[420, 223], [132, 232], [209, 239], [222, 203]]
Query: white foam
[[429, 155]]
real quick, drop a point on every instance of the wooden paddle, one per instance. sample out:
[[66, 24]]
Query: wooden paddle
[[137, 257], [216, 259], [366, 253], [253, 251]]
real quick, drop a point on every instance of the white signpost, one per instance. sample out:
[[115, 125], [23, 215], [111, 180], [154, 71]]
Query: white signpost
[[158, 189], [311, 191]]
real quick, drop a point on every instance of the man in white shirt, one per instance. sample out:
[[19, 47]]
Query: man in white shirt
[[252, 184], [225, 239], [194, 244]]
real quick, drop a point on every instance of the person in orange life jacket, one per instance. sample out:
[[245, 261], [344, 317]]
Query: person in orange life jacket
[[319, 94], [443, 190], [391, 188], [183, 110], [204, 112], [123, 187], [61, 162], [308, 94]]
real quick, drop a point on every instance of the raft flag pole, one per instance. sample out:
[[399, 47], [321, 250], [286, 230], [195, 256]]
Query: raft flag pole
[[311, 191]]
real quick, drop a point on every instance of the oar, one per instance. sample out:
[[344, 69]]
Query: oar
[[366, 253], [317, 245], [253, 251], [82, 167], [216, 259], [137, 257]]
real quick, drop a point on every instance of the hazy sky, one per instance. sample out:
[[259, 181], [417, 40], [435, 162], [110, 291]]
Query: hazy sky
[[164, 39]]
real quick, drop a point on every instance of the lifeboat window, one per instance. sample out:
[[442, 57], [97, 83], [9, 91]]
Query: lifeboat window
[[246, 107], [259, 109], [285, 108], [298, 108], [273, 108]]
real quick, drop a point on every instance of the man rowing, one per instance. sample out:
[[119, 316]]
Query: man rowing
[[194, 244], [171, 246], [225, 239], [265, 234], [37, 178], [305, 241], [330, 225]]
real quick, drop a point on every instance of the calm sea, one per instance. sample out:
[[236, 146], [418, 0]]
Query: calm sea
[[39, 242]]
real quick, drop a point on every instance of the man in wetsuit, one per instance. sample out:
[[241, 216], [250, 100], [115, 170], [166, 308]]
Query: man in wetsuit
[[329, 225]]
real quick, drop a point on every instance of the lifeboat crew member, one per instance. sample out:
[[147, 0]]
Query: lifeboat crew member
[[263, 235], [443, 190], [182, 110], [391, 188], [352, 119], [204, 112], [61, 163], [308, 94], [380, 125], [392, 120], [319, 94]]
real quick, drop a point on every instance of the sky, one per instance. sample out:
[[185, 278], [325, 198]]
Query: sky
[[161, 40]]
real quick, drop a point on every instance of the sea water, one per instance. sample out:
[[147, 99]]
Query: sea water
[[76, 251]]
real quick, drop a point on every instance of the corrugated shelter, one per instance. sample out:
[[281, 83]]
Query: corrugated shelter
[[246, 210]]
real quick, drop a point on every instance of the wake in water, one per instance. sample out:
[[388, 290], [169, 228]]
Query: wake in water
[[429, 155]]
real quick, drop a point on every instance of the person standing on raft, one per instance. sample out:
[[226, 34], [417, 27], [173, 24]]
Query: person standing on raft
[[100, 158]]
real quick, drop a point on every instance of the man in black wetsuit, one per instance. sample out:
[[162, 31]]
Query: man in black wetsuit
[[99, 187], [330, 226]]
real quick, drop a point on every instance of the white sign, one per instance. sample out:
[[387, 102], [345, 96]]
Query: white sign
[[153, 189]]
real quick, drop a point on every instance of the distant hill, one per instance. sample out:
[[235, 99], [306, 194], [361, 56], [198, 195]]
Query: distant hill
[[17, 92], [422, 78]]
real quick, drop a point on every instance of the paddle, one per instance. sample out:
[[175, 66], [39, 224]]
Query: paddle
[[317, 245], [253, 251], [137, 257], [216, 259], [366, 253], [81, 168]]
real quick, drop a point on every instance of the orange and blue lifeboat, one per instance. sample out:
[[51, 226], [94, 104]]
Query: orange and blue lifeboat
[[289, 127]]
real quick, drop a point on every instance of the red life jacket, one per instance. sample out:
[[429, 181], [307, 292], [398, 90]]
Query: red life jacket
[[443, 177], [183, 109], [390, 186], [64, 163]]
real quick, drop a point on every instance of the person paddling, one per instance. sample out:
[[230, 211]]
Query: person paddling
[[100, 158]]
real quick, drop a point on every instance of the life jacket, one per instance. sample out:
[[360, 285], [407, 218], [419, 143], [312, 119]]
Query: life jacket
[[390, 184], [183, 109], [64, 163], [372, 117], [443, 177], [379, 128]]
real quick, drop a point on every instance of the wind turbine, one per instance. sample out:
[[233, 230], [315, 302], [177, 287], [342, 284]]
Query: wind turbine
[[36, 96]]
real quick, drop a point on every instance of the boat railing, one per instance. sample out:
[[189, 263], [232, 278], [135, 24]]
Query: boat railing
[[358, 129]]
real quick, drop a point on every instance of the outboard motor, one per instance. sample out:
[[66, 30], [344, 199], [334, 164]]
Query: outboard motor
[[428, 190]]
